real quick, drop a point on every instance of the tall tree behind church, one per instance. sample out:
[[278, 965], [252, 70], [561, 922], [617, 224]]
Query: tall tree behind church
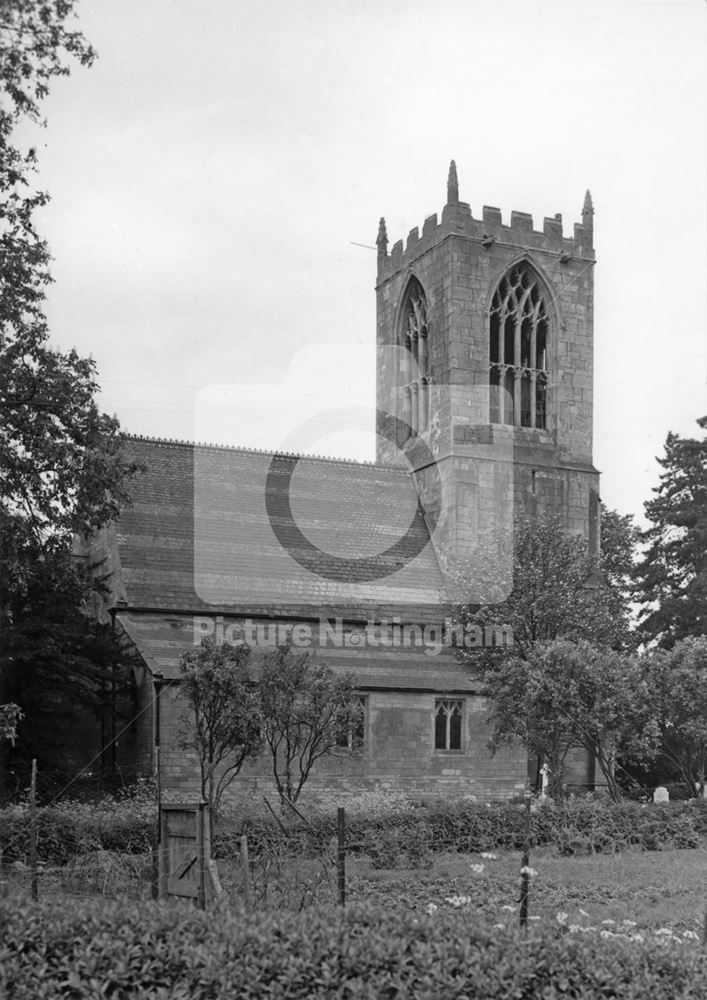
[[671, 577]]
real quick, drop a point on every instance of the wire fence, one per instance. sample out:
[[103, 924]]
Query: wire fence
[[480, 857]]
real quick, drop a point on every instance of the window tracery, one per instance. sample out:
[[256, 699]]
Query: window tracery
[[518, 332]]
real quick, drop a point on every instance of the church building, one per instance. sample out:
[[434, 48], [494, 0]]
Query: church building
[[484, 412]]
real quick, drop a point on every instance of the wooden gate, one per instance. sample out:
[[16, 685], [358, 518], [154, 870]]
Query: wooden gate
[[183, 838]]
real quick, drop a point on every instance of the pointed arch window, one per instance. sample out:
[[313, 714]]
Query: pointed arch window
[[413, 375], [518, 330]]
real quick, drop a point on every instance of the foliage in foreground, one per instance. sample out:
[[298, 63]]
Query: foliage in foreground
[[124, 949]]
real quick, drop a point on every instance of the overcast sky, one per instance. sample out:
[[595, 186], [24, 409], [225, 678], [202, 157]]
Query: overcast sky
[[212, 173]]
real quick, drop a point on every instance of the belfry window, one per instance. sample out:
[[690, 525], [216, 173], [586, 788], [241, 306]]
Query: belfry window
[[413, 375], [518, 329]]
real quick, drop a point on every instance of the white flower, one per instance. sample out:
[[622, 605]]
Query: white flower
[[561, 918], [533, 918], [573, 928], [510, 909], [628, 923], [489, 856], [527, 870], [609, 922], [607, 934], [477, 869], [458, 900], [431, 908], [691, 936], [499, 927], [664, 931]]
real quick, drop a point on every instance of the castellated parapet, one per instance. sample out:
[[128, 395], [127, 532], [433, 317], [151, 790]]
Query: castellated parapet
[[458, 221]]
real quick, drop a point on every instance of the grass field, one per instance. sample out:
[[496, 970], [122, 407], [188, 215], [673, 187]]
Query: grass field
[[653, 889]]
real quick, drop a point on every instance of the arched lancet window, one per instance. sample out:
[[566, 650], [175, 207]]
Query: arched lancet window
[[518, 328], [413, 374]]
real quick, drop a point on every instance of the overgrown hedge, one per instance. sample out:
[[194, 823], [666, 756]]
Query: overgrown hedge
[[146, 951], [578, 827], [72, 829]]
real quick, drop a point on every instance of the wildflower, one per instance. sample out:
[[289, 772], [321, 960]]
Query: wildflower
[[489, 856], [628, 924], [573, 928], [510, 909], [431, 908], [527, 870], [533, 918], [499, 927], [458, 900], [691, 936], [562, 918], [607, 934], [664, 931], [477, 869], [609, 922]]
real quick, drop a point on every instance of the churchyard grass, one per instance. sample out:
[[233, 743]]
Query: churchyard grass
[[654, 889]]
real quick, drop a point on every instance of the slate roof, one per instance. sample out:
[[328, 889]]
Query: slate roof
[[161, 638], [201, 536]]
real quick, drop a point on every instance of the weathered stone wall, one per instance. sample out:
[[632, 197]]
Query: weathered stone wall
[[398, 755]]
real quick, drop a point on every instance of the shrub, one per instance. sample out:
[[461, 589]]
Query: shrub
[[403, 836], [150, 951], [68, 829], [579, 827]]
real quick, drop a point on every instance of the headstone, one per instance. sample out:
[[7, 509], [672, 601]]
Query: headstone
[[544, 773], [661, 794]]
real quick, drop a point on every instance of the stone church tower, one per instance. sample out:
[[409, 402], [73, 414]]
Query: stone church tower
[[485, 369]]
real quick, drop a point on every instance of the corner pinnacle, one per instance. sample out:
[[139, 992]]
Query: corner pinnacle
[[452, 185], [588, 207], [382, 239]]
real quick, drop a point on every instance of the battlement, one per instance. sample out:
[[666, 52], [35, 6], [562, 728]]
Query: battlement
[[489, 231]]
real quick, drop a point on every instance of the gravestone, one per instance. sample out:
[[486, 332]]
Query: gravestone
[[661, 794]]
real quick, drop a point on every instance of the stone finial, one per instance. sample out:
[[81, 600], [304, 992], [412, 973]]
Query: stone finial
[[588, 217], [382, 239], [452, 185]]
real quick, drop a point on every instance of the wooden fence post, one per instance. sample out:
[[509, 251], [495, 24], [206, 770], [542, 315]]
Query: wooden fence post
[[245, 871], [341, 854], [158, 860], [33, 833], [200, 857], [525, 875]]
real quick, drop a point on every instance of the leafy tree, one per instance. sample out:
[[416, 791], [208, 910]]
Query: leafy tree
[[224, 729], [303, 708], [619, 543], [558, 590], [678, 684], [671, 577], [10, 715], [572, 694], [63, 468]]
